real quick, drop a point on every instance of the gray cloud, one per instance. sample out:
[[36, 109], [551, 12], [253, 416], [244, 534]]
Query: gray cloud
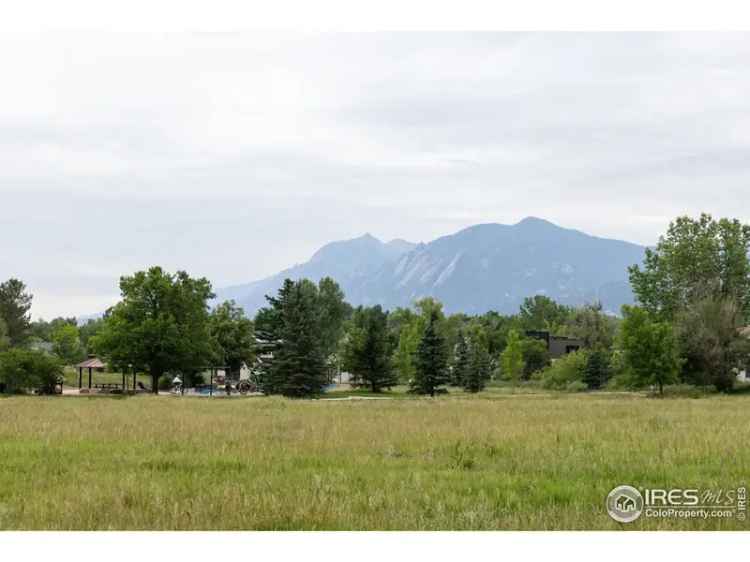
[[235, 155]]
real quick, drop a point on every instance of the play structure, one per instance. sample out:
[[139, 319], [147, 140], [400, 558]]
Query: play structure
[[220, 382]]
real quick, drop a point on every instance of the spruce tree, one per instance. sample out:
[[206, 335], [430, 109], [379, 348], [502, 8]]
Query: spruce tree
[[299, 368], [15, 304], [367, 351], [461, 361], [431, 360], [479, 367], [596, 372], [269, 323]]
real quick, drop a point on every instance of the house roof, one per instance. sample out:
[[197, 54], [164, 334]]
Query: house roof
[[91, 363]]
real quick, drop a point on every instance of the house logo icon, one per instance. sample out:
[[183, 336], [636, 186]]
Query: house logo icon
[[624, 504]]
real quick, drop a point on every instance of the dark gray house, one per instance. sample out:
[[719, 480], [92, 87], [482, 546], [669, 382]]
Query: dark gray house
[[557, 346]]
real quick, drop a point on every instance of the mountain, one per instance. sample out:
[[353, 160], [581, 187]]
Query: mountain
[[349, 262], [483, 267]]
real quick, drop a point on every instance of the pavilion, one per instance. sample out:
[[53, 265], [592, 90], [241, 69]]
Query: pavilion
[[92, 364]]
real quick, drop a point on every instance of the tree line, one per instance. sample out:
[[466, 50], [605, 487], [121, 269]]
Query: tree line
[[692, 293]]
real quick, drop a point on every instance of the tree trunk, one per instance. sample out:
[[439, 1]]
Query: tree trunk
[[155, 382], [661, 388]]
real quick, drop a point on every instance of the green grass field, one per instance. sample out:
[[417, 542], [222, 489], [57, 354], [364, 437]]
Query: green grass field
[[501, 460]]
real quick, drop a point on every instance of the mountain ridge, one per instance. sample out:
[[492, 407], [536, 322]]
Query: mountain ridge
[[487, 266]]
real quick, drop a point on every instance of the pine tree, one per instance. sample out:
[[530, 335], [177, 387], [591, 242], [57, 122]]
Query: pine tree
[[367, 351], [15, 304], [299, 368], [596, 371], [461, 361], [269, 323], [479, 367], [430, 360]]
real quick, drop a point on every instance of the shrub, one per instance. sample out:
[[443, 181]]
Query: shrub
[[576, 386], [563, 371], [535, 357], [684, 391], [621, 381], [24, 369]]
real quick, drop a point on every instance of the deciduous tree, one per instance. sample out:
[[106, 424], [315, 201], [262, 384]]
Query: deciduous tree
[[712, 342], [66, 343], [511, 359], [649, 347], [160, 325], [696, 259], [232, 333], [542, 313]]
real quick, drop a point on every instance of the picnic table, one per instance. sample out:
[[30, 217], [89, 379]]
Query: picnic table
[[108, 386]]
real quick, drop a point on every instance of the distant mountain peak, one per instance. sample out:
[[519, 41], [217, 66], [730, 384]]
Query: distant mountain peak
[[536, 221], [482, 267]]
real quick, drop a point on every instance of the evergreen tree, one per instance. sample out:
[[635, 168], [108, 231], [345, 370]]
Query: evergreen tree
[[461, 361], [479, 365], [367, 353], [294, 355], [597, 369], [269, 323], [4, 339], [430, 361], [15, 304]]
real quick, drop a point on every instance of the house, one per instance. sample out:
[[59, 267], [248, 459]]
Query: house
[[557, 346]]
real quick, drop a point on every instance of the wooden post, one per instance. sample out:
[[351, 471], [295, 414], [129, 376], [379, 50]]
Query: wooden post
[[211, 386], [123, 382], [89, 377], [80, 378]]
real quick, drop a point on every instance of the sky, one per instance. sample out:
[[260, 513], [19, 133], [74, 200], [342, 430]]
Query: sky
[[236, 155]]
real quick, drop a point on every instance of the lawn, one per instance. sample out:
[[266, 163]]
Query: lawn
[[500, 460]]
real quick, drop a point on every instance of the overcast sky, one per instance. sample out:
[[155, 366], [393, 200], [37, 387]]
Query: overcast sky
[[233, 156]]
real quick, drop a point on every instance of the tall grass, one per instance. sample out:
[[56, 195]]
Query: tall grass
[[496, 461]]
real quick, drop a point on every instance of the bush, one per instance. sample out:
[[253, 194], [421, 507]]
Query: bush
[[563, 371], [535, 357], [24, 369], [685, 391], [576, 386], [165, 382], [621, 381]]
